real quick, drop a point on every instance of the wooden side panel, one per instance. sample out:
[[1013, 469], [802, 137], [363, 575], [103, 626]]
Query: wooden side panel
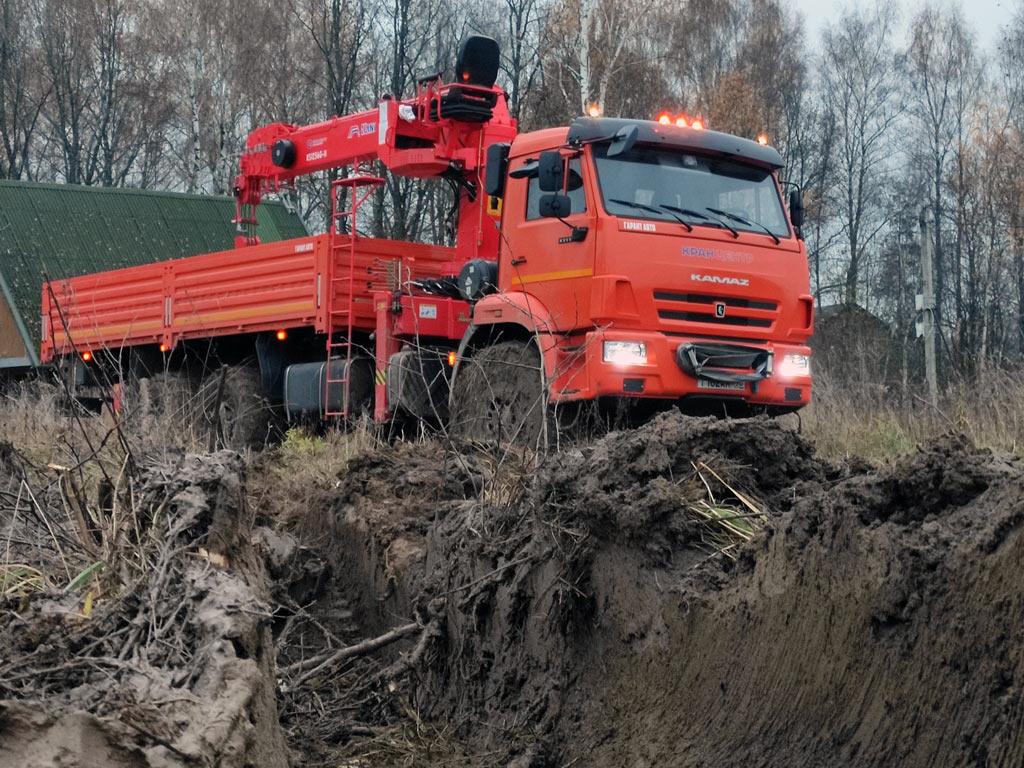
[[11, 343]]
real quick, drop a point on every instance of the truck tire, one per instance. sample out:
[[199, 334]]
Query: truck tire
[[499, 396], [240, 416], [162, 407]]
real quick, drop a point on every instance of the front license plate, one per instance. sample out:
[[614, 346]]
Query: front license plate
[[705, 384]]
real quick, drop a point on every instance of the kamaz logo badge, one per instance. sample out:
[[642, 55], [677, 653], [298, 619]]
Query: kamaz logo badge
[[363, 129], [719, 280]]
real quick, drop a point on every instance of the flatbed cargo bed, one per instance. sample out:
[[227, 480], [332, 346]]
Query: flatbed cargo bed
[[275, 286]]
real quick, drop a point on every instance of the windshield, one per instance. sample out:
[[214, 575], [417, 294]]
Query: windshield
[[673, 184]]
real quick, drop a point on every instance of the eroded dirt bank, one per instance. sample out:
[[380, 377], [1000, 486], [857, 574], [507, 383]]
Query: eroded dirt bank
[[689, 593], [162, 659], [880, 624], [875, 620]]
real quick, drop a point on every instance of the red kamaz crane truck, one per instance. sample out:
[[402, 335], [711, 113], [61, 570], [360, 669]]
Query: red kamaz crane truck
[[645, 261]]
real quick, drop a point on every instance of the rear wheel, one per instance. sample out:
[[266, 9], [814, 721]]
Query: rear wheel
[[499, 396], [236, 410]]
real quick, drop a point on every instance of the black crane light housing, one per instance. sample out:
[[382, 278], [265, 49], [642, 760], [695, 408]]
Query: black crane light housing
[[478, 61], [282, 154]]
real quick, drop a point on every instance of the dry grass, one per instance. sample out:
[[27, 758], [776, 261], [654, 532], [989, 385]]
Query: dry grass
[[412, 742], [876, 423], [37, 419], [291, 479], [68, 485], [728, 517]]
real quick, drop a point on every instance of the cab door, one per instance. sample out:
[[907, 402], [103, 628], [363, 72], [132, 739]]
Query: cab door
[[540, 256]]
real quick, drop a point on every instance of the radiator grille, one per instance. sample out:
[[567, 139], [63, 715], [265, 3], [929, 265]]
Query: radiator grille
[[715, 310]]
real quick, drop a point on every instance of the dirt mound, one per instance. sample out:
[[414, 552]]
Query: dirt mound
[[695, 592], [162, 657], [875, 620], [622, 486]]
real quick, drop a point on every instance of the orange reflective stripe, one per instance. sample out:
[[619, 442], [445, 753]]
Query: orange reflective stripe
[[541, 277]]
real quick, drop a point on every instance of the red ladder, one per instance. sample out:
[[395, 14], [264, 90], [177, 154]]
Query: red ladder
[[340, 321]]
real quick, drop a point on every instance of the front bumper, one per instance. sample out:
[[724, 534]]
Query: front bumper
[[748, 376]]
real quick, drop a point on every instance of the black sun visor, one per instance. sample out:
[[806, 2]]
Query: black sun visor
[[585, 129]]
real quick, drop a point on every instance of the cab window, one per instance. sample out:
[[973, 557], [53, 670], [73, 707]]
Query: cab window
[[575, 192]]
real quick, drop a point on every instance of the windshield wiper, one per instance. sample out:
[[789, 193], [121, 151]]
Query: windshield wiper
[[689, 212], [747, 223], [652, 209], [723, 222]]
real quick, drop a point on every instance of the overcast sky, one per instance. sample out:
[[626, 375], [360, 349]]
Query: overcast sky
[[987, 16]]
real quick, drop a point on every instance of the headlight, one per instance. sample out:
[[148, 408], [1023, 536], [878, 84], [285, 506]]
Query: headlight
[[794, 366], [625, 352]]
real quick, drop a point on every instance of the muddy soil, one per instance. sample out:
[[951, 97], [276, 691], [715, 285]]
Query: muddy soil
[[164, 659], [578, 613], [877, 620]]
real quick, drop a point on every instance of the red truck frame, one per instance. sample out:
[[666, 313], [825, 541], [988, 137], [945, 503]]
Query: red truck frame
[[617, 297]]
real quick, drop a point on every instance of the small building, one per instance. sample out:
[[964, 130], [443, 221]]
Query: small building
[[52, 231], [852, 345]]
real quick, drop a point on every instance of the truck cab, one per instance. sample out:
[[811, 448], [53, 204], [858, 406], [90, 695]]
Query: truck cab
[[663, 265]]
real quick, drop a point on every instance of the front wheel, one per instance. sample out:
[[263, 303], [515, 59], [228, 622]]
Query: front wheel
[[500, 396]]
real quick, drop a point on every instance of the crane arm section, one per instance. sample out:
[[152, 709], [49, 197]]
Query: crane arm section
[[444, 130]]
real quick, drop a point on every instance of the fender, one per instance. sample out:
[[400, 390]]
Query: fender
[[512, 314], [514, 307]]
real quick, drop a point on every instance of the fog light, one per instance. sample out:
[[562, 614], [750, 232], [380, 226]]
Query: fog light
[[625, 352], [794, 366]]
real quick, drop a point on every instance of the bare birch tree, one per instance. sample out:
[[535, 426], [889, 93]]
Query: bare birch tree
[[861, 91]]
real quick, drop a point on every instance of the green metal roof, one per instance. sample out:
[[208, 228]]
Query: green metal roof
[[64, 231]]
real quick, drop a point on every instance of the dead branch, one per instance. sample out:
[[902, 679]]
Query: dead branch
[[324, 661], [409, 660]]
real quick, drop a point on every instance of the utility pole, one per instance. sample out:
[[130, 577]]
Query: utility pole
[[926, 307]]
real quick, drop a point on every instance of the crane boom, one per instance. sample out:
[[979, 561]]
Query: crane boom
[[443, 131]]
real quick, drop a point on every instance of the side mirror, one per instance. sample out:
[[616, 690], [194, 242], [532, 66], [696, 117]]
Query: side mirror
[[550, 172], [497, 168], [555, 206], [624, 140], [796, 208]]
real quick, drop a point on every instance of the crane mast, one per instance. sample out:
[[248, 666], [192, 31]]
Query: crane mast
[[444, 131]]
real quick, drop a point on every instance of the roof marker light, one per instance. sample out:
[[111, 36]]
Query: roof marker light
[[594, 110], [664, 118], [681, 121], [762, 139], [697, 124]]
